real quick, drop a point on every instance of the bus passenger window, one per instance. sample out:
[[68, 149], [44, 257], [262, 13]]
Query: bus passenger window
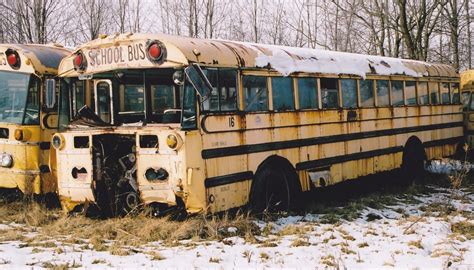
[[445, 96], [382, 93], [308, 93], [211, 102], [455, 92], [329, 93], [466, 98], [228, 90], [255, 93], [423, 93], [434, 93], [397, 93], [283, 94], [349, 93], [410, 92], [189, 108], [367, 93]]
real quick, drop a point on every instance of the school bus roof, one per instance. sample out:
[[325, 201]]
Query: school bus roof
[[35, 58], [125, 51]]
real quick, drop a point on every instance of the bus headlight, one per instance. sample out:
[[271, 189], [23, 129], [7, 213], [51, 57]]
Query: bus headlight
[[173, 141], [6, 160], [57, 141]]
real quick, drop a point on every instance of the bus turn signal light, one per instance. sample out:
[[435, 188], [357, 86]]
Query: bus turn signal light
[[19, 135]]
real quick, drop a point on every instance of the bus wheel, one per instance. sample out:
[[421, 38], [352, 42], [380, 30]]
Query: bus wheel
[[276, 187], [413, 160]]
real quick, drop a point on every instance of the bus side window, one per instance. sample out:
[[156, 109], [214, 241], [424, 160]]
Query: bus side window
[[224, 90], [423, 98], [255, 93], [189, 108], [283, 94], [397, 93], [367, 93], [434, 92], [382, 93], [455, 92], [211, 102], [308, 93], [228, 90], [410, 92], [445, 96], [466, 97], [329, 93], [349, 93]]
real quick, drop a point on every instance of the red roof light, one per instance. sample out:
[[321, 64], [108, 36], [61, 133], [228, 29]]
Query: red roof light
[[12, 60], [78, 60], [155, 51]]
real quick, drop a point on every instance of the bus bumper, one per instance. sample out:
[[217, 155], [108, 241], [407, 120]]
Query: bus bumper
[[27, 181]]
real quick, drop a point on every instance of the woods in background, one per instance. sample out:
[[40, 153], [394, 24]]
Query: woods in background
[[429, 30]]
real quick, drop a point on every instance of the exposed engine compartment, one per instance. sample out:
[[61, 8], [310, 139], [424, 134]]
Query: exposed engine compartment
[[115, 179]]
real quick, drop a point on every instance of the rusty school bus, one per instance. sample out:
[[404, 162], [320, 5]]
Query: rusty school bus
[[467, 88], [210, 125], [28, 116]]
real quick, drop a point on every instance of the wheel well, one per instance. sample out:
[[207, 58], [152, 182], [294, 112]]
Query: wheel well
[[275, 160], [413, 140]]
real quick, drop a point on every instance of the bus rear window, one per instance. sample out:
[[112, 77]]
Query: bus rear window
[[329, 93], [282, 94], [255, 93]]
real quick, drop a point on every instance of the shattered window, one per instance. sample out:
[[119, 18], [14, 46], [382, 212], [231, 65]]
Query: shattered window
[[224, 90], [329, 93]]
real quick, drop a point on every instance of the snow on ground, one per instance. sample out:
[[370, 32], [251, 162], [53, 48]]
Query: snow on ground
[[413, 233]]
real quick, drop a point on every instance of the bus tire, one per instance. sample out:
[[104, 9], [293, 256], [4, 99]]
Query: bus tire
[[275, 187], [413, 160]]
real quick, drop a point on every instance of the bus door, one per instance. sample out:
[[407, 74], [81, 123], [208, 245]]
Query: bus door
[[103, 100]]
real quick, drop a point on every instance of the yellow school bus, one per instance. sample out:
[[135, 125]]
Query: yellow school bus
[[467, 88], [28, 115], [209, 125]]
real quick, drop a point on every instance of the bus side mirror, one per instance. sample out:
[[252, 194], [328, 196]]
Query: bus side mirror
[[198, 80], [50, 93]]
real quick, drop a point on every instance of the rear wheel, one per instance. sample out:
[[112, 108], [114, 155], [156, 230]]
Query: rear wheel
[[276, 187], [413, 160]]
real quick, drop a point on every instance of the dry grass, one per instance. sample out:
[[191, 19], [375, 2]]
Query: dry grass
[[416, 243], [127, 231], [465, 228]]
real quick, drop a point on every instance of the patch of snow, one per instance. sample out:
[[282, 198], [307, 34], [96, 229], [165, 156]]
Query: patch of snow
[[448, 166], [287, 60]]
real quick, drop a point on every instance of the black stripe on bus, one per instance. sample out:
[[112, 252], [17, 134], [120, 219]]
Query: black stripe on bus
[[227, 179], [324, 162], [368, 154], [263, 147], [469, 132]]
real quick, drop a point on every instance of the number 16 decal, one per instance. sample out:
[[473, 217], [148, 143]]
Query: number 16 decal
[[231, 121]]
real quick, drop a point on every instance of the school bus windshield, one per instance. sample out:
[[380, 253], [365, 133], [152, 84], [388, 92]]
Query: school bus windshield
[[19, 102], [129, 96]]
